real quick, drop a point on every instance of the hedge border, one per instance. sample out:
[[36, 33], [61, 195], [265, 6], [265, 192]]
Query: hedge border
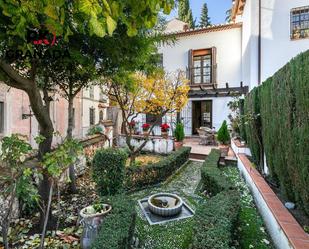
[[138, 177]]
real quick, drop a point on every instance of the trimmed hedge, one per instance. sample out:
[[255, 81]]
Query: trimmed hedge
[[139, 177], [284, 107], [109, 170], [117, 229], [212, 179], [215, 221]]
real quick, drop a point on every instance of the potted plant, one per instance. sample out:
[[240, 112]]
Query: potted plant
[[92, 216], [179, 135], [164, 130], [146, 129], [224, 139]]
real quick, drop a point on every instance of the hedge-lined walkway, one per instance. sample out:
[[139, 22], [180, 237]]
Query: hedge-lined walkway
[[172, 234]]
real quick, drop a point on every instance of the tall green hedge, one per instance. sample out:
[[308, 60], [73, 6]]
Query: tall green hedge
[[253, 126], [284, 107]]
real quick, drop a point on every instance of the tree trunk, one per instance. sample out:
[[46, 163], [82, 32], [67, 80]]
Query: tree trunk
[[41, 112], [72, 176]]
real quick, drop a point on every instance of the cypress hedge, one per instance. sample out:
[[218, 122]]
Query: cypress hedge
[[283, 102]]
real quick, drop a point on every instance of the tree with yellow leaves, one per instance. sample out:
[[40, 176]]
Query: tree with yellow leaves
[[157, 94]]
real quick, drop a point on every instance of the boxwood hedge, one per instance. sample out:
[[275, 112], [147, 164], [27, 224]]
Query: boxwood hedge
[[215, 220], [117, 229], [143, 176], [212, 179]]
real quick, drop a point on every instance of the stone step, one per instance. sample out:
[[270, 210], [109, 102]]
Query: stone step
[[197, 156]]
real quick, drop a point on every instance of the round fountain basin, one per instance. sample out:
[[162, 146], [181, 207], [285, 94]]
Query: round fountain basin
[[165, 204]]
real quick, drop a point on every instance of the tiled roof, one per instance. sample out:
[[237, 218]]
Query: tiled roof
[[209, 29]]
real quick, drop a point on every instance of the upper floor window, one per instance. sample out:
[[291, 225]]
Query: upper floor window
[[91, 116], [202, 66], [91, 92], [300, 23], [1, 117]]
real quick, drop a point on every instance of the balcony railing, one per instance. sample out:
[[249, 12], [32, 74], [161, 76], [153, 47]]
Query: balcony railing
[[208, 79]]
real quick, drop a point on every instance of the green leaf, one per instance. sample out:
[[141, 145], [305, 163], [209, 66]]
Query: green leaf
[[96, 27], [111, 25]]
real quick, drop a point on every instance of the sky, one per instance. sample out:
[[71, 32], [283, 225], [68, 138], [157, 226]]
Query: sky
[[216, 8]]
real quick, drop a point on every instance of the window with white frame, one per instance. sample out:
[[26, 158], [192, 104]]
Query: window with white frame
[[300, 23]]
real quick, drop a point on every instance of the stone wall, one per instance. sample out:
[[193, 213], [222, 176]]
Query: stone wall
[[156, 144]]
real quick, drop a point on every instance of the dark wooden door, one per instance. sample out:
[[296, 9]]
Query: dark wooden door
[[201, 114]]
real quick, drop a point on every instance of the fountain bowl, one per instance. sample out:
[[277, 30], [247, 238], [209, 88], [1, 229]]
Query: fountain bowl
[[165, 204]]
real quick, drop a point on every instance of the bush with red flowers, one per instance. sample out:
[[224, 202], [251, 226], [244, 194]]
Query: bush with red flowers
[[164, 127], [146, 127]]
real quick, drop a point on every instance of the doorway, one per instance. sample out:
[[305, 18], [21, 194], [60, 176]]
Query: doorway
[[201, 115]]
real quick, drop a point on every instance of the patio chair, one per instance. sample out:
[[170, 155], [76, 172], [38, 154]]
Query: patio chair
[[207, 136]]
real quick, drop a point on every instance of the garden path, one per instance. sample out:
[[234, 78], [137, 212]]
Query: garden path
[[174, 234]]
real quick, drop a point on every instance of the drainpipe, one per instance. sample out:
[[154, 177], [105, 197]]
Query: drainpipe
[[260, 44]]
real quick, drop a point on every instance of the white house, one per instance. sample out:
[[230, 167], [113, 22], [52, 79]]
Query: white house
[[212, 58], [274, 31], [230, 59], [94, 107]]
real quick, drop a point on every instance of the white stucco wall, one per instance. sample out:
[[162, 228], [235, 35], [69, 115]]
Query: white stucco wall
[[228, 44], [276, 46], [87, 103]]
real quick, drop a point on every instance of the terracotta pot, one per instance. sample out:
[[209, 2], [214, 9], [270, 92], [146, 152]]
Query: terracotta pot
[[146, 133], [224, 149], [164, 134], [178, 145]]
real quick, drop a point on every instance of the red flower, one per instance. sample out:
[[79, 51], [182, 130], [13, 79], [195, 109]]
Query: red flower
[[164, 127], [145, 126], [132, 123]]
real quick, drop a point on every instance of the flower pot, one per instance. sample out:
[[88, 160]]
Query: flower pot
[[224, 149], [146, 133], [91, 222], [178, 145], [164, 134]]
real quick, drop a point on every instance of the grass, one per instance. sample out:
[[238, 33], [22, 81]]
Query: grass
[[251, 232]]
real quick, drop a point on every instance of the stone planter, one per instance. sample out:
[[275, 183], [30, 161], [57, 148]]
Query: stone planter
[[224, 149], [178, 145], [164, 134], [157, 203], [91, 222]]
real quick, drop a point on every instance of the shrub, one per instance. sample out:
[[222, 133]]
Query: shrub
[[212, 178], [179, 132], [117, 230], [94, 130], [215, 220], [284, 109], [109, 170], [139, 177], [223, 134]]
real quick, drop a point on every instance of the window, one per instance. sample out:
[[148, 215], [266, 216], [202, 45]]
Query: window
[[91, 116], [300, 23], [101, 115], [160, 61], [1, 117], [202, 66], [91, 92], [151, 118]]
